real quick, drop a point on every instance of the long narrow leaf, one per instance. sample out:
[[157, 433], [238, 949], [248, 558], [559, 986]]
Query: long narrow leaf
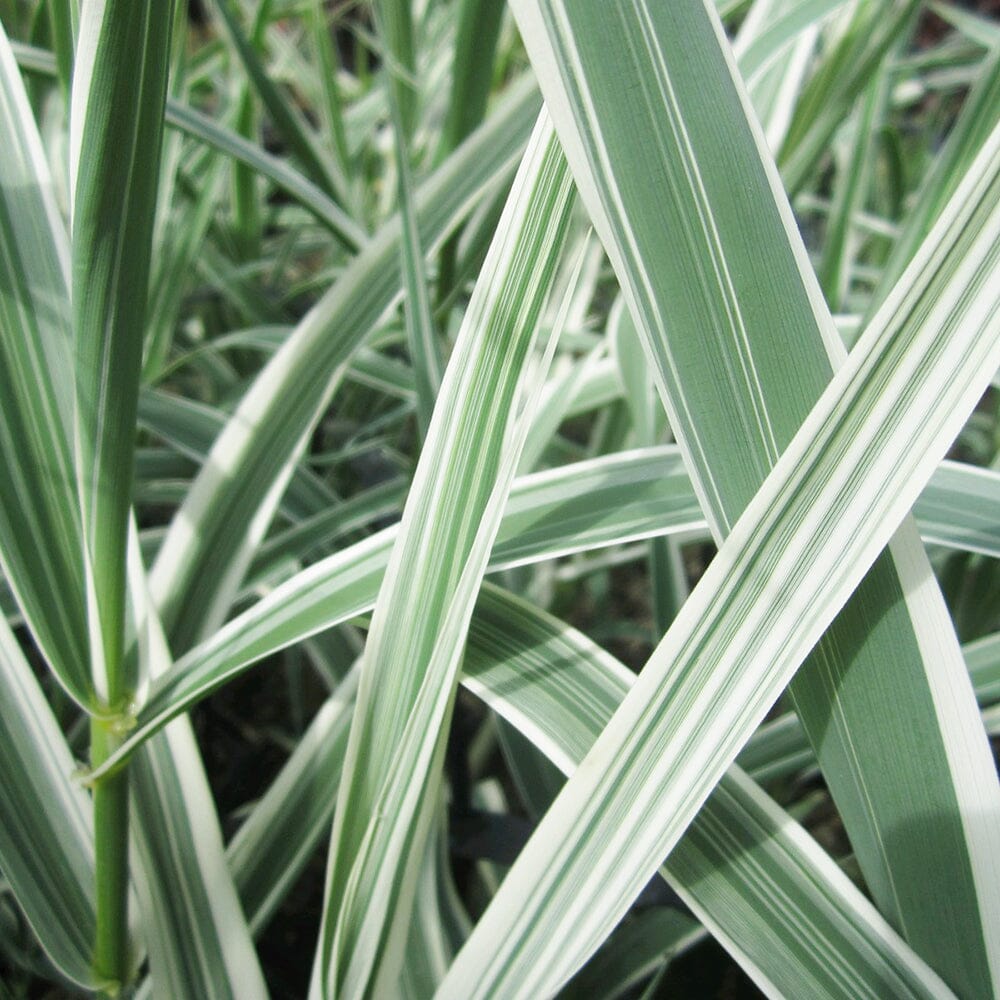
[[192, 122], [756, 879], [550, 514], [410, 673], [420, 330], [46, 832], [823, 514], [979, 115], [742, 346], [213, 536], [572, 691], [40, 534], [610, 501], [116, 125], [294, 131], [119, 92], [198, 942], [842, 75]]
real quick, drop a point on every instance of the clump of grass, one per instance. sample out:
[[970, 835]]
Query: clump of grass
[[340, 375]]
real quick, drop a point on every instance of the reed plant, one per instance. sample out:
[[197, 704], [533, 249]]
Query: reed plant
[[499, 501]]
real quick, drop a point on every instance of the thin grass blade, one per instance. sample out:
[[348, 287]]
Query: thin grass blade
[[46, 829], [844, 72], [397, 34], [198, 941], [977, 119], [452, 514], [40, 533], [425, 357], [216, 531], [293, 130], [119, 92], [116, 125]]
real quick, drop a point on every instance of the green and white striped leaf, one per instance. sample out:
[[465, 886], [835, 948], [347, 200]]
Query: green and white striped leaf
[[750, 344], [295, 132], [854, 169], [303, 541], [314, 199], [780, 747], [414, 647], [331, 102], [195, 932], [668, 576], [396, 33], [432, 940], [192, 122], [755, 878], [198, 941], [574, 689], [977, 28], [420, 332], [612, 500], [742, 346], [397, 30], [773, 29], [608, 501], [119, 92], [116, 125], [220, 524], [645, 493], [46, 830], [775, 88], [958, 509], [848, 64], [40, 535], [955, 509], [804, 542], [977, 119]]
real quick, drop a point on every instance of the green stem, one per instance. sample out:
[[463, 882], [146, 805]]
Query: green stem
[[111, 842]]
